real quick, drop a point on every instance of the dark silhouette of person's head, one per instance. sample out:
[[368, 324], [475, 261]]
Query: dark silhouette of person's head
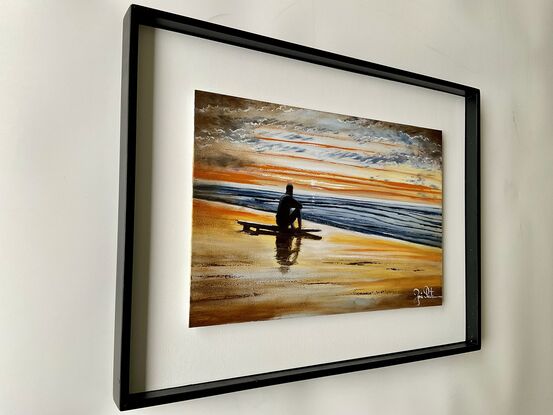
[[289, 189]]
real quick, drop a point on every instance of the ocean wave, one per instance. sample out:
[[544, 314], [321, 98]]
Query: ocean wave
[[412, 223]]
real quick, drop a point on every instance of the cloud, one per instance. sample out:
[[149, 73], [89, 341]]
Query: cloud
[[236, 121]]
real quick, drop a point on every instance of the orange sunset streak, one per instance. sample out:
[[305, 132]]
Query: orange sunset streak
[[271, 175], [339, 178], [430, 176], [319, 166]]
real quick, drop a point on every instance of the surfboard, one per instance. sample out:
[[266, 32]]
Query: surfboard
[[264, 229]]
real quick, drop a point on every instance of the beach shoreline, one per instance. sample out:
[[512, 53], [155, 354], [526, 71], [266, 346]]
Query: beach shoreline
[[238, 277]]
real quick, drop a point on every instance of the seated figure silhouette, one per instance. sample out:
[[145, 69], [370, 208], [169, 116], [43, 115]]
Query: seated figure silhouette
[[289, 210]]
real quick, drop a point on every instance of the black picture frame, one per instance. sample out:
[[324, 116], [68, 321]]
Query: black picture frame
[[138, 16]]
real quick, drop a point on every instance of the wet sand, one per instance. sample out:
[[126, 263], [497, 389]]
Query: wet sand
[[238, 277]]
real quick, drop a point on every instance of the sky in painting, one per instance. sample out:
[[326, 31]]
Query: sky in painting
[[246, 142]]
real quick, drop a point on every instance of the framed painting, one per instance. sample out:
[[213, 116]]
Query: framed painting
[[286, 213]]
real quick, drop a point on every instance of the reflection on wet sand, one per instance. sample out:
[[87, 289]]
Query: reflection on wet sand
[[239, 277], [287, 250]]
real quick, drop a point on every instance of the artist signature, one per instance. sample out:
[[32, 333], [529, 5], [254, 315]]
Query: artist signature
[[426, 292]]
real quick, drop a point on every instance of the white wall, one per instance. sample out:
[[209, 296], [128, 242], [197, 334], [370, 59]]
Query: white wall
[[59, 132]]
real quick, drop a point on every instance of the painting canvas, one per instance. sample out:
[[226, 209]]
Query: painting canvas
[[298, 212]]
